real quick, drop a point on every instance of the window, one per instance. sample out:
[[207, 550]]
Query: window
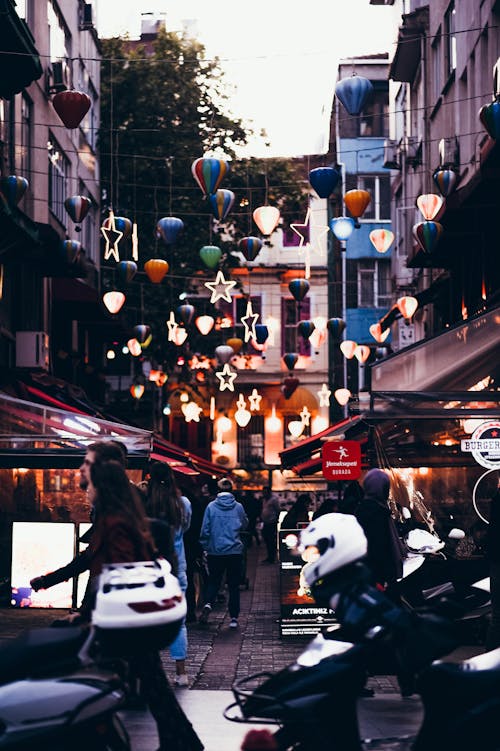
[[379, 188], [59, 169], [374, 284], [374, 119], [450, 39], [59, 37], [291, 313], [89, 123], [251, 443], [24, 148], [437, 64]]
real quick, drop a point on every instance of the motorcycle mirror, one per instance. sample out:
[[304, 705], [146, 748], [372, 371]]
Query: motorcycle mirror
[[456, 534]]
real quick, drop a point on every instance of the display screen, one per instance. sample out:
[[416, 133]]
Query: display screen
[[84, 577]]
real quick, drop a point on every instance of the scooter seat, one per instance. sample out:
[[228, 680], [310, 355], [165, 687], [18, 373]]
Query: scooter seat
[[459, 682], [39, 651]]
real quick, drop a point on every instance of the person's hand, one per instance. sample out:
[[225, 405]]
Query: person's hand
[[38, 583]]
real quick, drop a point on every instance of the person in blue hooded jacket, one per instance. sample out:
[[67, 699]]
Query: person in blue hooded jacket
[[223, 522]]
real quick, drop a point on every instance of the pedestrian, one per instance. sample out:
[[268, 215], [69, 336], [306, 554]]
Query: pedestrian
[[223, 522], [351, 498], [269, 516], [298, 515], [253, 508], [196, 568], [329, 506], [493, 556], [165, 502]]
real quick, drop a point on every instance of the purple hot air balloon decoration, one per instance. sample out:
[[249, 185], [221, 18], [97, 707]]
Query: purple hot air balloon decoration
[[168, 229], [353, 92], [306, 328], [209, 173], [445, 180], [427, 234], [261, 333], [185, 313], [221, 203], [78, 207], [299, 288], [489, 116], [126, 271], [336, 327], [13, 188], [250, 247], [324, 180], [290, 359], [70, 250]]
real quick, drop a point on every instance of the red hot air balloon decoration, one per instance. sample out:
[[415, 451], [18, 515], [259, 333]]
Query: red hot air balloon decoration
[[71, 106], [290, 384], [299, 288], [13, 188], [156, 269], [290, 359], [221, 202], [250, 247], [427, 235], [168, 229], [78, 207], [324, 180], [209, 173], [357, 202]]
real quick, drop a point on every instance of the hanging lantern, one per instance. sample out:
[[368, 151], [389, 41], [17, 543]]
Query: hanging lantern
[[126, 271], [348, 347], [180, 336], [209, 173], [224, 353], [204, 324], [407, 306], [290, 359], [210, 255], [70, 250], [221, 203], [381, 239], [342, 396], [142, 333], [298, 288], [378, 334], [261, 333], [242, 414], [137, 390], [336, 327], [427, 234], [113, 301], [134, 347], [185, 313], [122, 224], [77, 207], [324, 180], [357, 202], [273, 422], [317, 338], [156, 268], [266, 218], [362, 353], [489, 115], [430, 205], [13, 188], [296, 428], [250, 247], [168, 229], [445, 180], [353, 92], [289, 386], [71, 106], [235, 343], [342, 227], [306, 328]]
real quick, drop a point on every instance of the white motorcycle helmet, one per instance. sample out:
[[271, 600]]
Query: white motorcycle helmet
[[329, 543]]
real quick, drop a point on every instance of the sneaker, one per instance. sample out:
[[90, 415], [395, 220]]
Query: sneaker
[[181, 680], [233, 623], [205, 613]]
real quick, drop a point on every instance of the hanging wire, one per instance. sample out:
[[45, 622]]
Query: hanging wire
[[111, 115]]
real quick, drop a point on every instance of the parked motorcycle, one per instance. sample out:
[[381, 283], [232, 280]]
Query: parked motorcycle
[[61, 688], [313, 702]]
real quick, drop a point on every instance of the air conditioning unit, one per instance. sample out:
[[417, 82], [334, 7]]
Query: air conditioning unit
[[86, 19], [391, 154], [413, 148], [58, 77], [449, 154], [32, 349]]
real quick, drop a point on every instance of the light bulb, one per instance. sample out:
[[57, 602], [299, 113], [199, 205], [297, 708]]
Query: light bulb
[[273, 422]]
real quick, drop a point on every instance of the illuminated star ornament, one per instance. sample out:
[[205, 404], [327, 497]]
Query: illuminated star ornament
[[305, 231], [191, 412], [254, 400], [172, 327], [112, 237], [249, 320], [305, 416], [220, 288], [226, 377], [324, 396]]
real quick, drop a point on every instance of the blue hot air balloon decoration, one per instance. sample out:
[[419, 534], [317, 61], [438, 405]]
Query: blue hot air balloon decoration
[[78, 207], [445, 179], [142, 332], [306, 328], [221, 203], [185, 313], [126, 271], [13, 188], [489, 115], [250, 247], [299, 288], [336, 327], [324, 180], [70, 250], [290, 359], [209, 173], [353, 92], [261, 333], [169, 228]]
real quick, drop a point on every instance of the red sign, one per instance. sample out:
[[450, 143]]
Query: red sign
[[341, 460]]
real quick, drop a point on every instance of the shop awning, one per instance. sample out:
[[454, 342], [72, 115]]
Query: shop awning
[[183, 461], [19, 59], [303, 452]]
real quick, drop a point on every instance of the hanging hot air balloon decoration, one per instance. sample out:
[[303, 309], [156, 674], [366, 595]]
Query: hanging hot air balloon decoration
[[357, 202], [250, 247], [70, 250], [353, 92], [113, 301], [362, 353], [379, 334], [430, 205], [78, 207], [266, 218], [142, 333], [221, 202], [446, 180], [168, 229], [261, 333], [224, 353], [290, 359], [235, 343], [209, 173], [126, 271], [122, 224], [342, 396], [407, 306], [306, 328], [336, 327], [210, 255], [71, 106], [289, 386], [156, 269], [348, 347], [427, 234], [298, 288], [324, 180], [13, 188], [489, 115], [204, 324], [185, 313], [342, 227], [381, 239]]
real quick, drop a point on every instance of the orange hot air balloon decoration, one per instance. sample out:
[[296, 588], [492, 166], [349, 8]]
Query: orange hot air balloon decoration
[[357, 202], [156, 268], [381, 239], [235, 343]]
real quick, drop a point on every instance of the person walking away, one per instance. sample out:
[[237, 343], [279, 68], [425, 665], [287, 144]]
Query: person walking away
[[253, 508], [196, 570], [493, 556], [223, 522], [329, 506], [298, 514], [165, 502], [269, 516]]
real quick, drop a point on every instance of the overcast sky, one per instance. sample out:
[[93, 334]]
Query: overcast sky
[[281, 59]]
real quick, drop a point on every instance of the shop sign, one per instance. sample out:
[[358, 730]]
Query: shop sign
[[484, 444], [341, 460]]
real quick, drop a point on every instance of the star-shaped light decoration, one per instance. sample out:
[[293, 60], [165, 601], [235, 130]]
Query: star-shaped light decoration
[[254, 400], [112, 237], [305, 416], [226, 377], [220, 288], [324, 396], [249, 320], [305, 232], [172, 327], [135, 242], [191, 412]]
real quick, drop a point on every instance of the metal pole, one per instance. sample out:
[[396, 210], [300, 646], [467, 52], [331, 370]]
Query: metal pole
[[343, 253]]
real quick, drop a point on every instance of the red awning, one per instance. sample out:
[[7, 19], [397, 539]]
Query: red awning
[[303, 451], [183, 461]]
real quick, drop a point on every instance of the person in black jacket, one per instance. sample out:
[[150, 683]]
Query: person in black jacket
[[493, 555]]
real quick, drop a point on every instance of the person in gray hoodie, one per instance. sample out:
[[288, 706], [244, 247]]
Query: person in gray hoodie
[[220, 537]]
